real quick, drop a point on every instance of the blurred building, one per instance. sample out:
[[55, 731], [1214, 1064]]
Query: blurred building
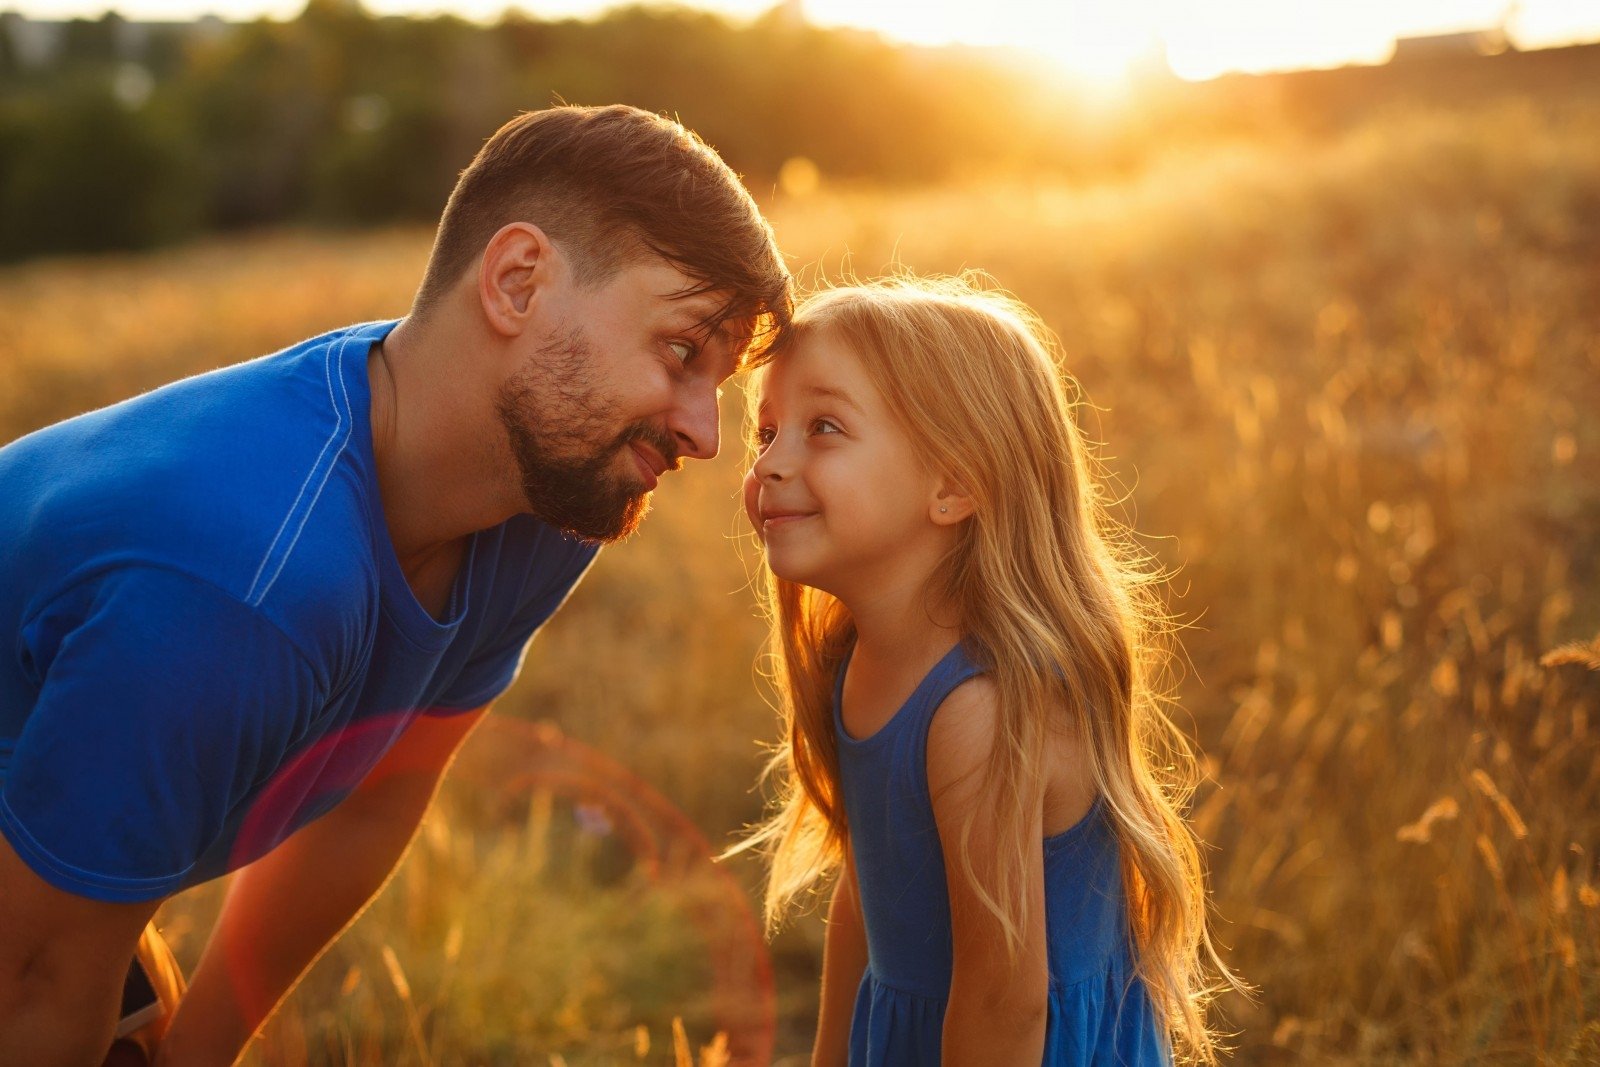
[[33, 44], [38, 44], [1488, 42], [790, 14]]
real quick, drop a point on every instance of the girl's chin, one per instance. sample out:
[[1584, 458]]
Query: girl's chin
[[787, 565], [814, 577]]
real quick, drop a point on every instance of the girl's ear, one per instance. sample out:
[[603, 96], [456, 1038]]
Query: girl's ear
[[950, 505]]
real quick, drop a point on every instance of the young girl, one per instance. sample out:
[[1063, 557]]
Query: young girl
[[963, 645]]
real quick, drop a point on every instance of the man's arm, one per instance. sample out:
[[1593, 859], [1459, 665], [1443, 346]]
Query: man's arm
[[63, 959], [844, 960], [283, 910]]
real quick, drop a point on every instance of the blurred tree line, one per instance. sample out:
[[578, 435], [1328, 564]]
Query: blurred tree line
[[128, 134], [339, 116]]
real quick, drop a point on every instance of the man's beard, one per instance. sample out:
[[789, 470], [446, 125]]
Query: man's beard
[[556, 421]]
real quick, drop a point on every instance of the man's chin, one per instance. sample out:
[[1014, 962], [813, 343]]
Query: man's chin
[[600, 526], [628, 523]]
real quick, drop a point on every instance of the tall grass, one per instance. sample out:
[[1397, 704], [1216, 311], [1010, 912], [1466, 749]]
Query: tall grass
[[1351, 394]]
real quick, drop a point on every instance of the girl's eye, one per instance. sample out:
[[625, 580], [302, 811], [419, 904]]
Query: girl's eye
[[831, 426], [762, 437], [683, 349]]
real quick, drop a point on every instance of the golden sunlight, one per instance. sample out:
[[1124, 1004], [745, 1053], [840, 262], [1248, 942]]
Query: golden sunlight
[[1096, 42], [1099, 42]]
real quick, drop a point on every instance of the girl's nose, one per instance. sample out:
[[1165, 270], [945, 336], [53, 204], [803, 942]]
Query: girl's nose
[[768, 467]]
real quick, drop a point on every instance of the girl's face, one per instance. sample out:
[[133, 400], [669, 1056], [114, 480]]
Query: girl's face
[[837, 494]]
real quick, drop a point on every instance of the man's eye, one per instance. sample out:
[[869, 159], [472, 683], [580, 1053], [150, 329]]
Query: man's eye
[[685, 351]]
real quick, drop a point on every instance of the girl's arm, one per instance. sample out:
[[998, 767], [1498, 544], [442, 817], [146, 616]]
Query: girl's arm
[[844, 960], [998, 1007]]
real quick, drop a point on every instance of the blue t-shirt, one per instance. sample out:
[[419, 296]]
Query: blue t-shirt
[[206, 639]]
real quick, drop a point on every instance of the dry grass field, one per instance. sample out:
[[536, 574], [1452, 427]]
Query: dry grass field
[[1349, 390]]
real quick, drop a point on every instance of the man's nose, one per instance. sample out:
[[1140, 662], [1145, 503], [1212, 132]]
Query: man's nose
[[696, 424]]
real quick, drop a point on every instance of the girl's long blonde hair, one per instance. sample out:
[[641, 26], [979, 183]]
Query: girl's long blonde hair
[[1049, 587]]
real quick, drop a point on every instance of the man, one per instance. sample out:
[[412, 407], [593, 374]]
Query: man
[[247, 619]]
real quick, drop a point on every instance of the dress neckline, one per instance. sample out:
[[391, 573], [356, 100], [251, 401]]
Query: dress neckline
[[1052, 842], [844, 736]]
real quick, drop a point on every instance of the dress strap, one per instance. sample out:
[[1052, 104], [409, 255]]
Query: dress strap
[[957, 666], [911, 719]]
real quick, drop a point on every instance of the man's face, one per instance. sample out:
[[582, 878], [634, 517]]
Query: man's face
[[621, 387]]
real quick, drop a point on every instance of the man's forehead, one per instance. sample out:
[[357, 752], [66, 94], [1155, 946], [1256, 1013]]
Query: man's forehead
[[660, 278], [672, 291], [702, 306]]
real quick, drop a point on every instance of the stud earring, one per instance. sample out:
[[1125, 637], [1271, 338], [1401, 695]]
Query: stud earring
[[943, 509]]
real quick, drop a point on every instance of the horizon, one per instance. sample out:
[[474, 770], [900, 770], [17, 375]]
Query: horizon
[[1090, 42]]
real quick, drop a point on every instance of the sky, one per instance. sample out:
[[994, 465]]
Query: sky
[[1094, 39]]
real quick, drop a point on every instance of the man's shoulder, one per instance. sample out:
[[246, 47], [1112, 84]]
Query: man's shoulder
[[245, 477]]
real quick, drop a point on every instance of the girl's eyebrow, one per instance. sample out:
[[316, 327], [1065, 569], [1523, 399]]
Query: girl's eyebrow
[[825, 392], [828, 392]]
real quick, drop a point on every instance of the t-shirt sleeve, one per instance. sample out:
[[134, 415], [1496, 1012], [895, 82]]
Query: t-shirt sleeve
[[162, 702], [494, 665]]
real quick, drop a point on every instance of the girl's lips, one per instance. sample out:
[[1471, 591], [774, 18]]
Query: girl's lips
[[773, 521]]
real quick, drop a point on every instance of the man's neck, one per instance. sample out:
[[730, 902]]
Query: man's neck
[[435, 445]]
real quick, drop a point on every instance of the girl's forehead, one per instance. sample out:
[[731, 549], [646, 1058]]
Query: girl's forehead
[[817, 360]]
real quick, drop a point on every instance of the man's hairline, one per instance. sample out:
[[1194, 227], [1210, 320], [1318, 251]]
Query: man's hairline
[[641, 254]]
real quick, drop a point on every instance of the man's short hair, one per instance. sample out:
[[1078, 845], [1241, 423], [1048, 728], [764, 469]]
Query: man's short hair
[[611, 185]]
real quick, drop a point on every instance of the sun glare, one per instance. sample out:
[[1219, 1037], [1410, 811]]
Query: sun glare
[[1261, 35], [1098, 42], [1093, 42]]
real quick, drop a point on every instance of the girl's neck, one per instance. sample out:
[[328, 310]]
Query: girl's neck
[[900, 634], [902, 625], [894, 601]]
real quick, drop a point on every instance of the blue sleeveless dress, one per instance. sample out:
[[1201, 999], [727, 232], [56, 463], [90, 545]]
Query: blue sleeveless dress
[[1099, 1010]]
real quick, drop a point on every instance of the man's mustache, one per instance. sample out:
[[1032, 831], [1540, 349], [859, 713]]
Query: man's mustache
[[657, 439]]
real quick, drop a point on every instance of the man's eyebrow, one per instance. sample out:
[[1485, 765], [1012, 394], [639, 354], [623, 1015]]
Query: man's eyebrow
[[699, 312], [701, 301], [702, 307]]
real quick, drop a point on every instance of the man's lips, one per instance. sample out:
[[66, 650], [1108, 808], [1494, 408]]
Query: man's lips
[[650, 463]]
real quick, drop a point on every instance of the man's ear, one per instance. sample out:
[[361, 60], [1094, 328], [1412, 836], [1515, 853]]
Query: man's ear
[[518, 263], [950, 505]]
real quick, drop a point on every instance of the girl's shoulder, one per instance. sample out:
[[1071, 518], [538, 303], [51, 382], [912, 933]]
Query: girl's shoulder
[[961, 739], [963, 729], [962, 736]]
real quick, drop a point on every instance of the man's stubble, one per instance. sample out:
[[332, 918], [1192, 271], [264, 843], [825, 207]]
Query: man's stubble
[[560, 424]]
